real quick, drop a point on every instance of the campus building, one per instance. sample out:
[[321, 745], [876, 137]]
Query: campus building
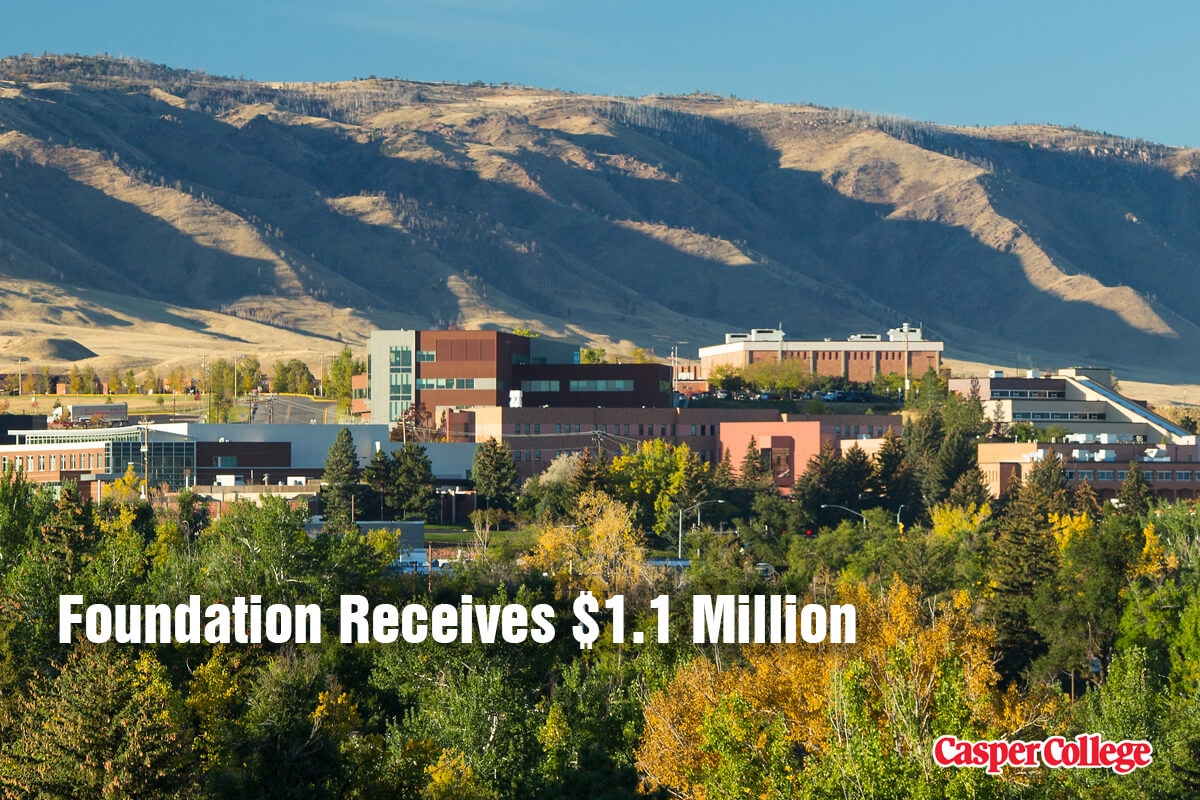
[[1078, 400], [860, 358], [536, 435], [786, 446], [1172, 469], [453, 369], [178, 455]]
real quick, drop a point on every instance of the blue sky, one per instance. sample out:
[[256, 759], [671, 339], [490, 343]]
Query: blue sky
[[1124, 68]]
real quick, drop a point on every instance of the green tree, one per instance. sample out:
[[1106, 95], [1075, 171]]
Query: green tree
[[342, 369], [592, 355], [110, 725], [591, 473], [754, 474], [1025, 556], [341, 475], [292, 377], [1135, 495], [494, 474], [405, 480]]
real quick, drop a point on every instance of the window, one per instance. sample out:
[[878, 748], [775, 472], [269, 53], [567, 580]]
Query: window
[[672, 428], [1085, 475], [53, 463], [1122, 474], [1163, 475], [641, 429], [1104, 474], [3, 463], [837, 430], [702, 431], [626, 429], [614, 385], [516, 455], [540, 386], [558, 427], [537, 455], [41, 463], [537, 428], [577, 427], [526, 428], [400, 356], [72, 461], [426, 356], [517, 428], [662, 430], [693, 430], [1183, 475]]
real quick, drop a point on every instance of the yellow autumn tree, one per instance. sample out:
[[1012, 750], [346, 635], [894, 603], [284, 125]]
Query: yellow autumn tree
[[601, 549], [917, 670]]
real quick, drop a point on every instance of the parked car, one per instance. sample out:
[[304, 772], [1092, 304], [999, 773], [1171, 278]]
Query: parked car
[[721, 394]]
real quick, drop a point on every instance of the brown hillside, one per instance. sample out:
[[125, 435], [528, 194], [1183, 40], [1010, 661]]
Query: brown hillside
[[264, 218]]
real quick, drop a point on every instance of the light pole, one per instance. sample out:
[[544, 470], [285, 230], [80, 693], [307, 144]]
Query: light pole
[[852, 511], [898, 510], [683, 511]]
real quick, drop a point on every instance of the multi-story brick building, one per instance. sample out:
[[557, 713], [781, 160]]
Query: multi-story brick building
[[536, 435], [454, 369], [903, 351], [1172, 469]]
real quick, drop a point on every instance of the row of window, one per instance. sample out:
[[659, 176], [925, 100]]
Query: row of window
[[614, 385], [1037, 394], [426, 356], [539, 386], [445, 383], [1176, 476], [627, 429], [872, 431], [536, 455], [39, 462], [1058, 415]]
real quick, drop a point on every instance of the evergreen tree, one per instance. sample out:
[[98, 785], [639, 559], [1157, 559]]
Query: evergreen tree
[[1025, 556], [969, 489], [109, 725], [893, 483], [341, 483], [494, 474], [923, 437], [722, 476], [415, 490], [404, 481], [1135, 495], [754, 474], [592, 474], [1086, 501], [823, 483], [379, 475]]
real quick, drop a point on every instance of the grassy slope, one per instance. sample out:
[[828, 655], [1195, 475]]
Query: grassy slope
[[163, 216]]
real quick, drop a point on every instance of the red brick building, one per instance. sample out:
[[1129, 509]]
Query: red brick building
[[903, 351]]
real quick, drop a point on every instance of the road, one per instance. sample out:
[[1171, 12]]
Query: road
[[281, 409]]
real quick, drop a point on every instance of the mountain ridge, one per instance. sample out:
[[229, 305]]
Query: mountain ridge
[[652, 222]]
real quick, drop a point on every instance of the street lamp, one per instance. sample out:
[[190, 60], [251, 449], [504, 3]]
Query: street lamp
[[682, 511], [898, 510], [851, 511]]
